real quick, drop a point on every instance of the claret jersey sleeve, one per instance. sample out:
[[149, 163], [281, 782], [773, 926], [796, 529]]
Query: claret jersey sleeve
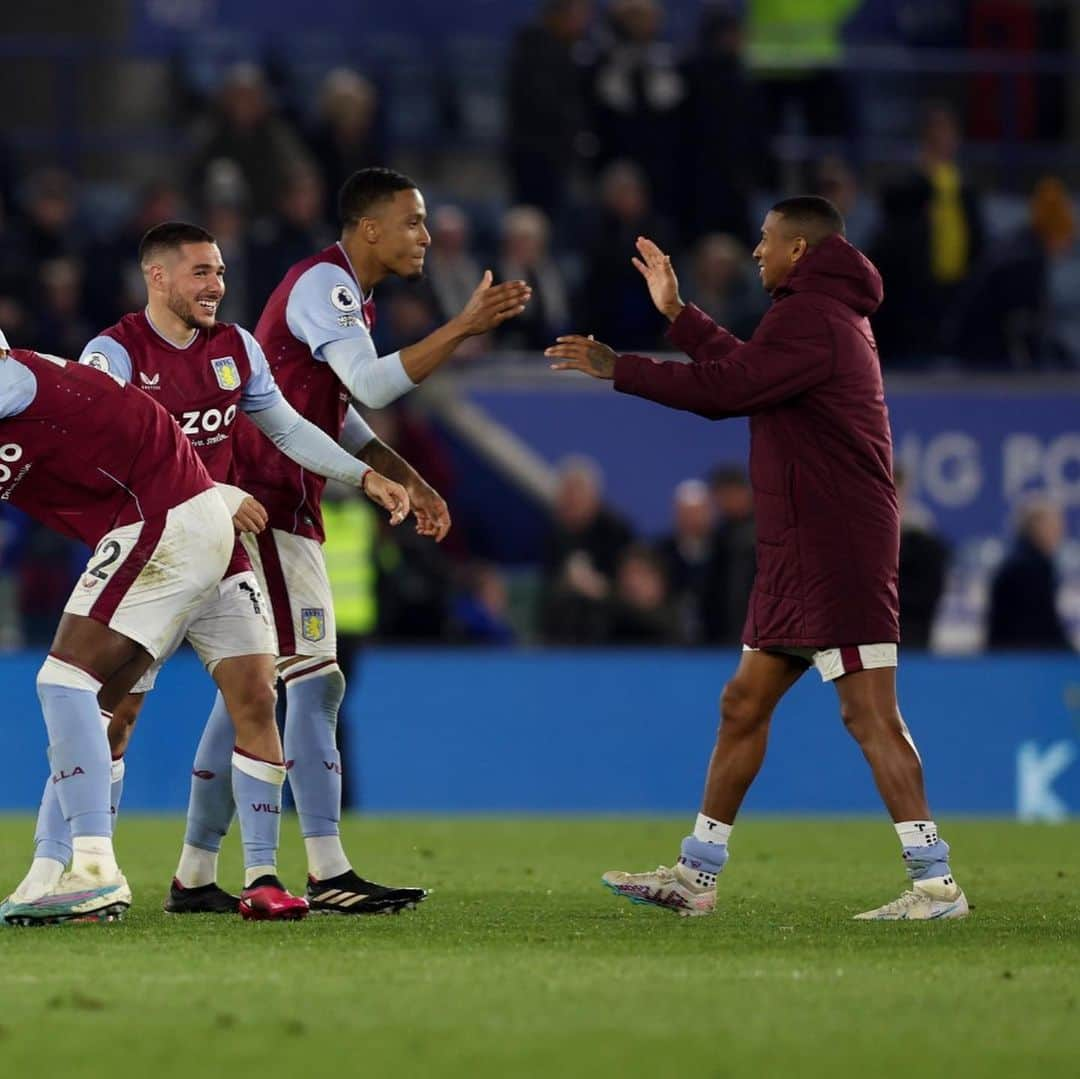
[[325, 312]]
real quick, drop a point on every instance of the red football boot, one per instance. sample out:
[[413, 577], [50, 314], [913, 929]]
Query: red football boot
[[266, 900]]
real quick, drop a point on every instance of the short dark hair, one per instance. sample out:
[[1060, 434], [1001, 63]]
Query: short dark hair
[[815, 217], [728, 476], [170, 235], [365, 189]]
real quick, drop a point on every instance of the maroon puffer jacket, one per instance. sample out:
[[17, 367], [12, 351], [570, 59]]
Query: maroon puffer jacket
[[820, 448]]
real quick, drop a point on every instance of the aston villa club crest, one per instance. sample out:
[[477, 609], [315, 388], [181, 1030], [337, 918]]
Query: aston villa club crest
[[228, 377], [312, 623]]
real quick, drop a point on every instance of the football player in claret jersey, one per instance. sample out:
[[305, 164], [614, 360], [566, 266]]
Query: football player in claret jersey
[[316, 332], [100, 462], [204, 372]]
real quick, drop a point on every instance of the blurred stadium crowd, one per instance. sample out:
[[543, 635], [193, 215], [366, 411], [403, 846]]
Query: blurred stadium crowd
[[590, 126]]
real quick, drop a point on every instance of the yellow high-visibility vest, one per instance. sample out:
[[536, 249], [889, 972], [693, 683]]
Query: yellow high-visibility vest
[[349, 551], [791, 35]]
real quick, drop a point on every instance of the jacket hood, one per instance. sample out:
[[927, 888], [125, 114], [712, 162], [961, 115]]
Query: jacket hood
[[841, 271]]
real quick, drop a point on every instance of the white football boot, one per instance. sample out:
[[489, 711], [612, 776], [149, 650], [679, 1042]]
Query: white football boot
[[672, 887], [940, 897], [75, 898]]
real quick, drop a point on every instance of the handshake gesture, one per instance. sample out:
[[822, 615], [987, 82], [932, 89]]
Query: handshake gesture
[[593, 357]]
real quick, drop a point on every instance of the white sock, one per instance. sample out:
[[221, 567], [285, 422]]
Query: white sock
[[197, 867], [712, 831], [93, 857], [916, 833], [40, 878], [325, 856], [253, 872]]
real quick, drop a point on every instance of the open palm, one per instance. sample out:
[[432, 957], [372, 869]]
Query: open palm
[[656, 268]]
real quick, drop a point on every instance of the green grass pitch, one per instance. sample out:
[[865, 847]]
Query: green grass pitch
[[520, 964]]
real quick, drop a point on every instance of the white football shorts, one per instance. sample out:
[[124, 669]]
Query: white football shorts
[[292, 572], [144, 580], [831, 663]]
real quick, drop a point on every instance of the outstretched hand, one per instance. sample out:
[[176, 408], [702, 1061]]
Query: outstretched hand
[[582, 354], [659, 275], [491, 305]]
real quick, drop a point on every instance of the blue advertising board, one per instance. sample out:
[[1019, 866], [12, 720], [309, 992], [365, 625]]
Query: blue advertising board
[[971, 453], [616, 732]]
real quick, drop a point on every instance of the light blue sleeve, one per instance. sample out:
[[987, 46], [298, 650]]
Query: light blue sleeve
[[18, 387], [324, 306], [307, 445], [325, 313], [108, 355], [355, 433], [260, 391]]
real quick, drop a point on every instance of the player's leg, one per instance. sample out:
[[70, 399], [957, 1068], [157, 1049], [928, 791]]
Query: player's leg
[[870, 711], [258, 776], [111, 630], [84, 655], [293, 574], [52, 836], [239, 764], [211, 808], [746, 707]]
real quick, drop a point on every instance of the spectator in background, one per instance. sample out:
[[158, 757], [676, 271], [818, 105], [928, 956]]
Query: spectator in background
[[246, 129], [686, 554], [7, 182], [451, 273], [480, 613], [347, 136], [835, 180], [924, 559], [291, 235], [1023, 595], [14, 526], [61, 325], [640, 611], [225, 215], [48, 227], [524, 256], [48, 570], [610, 300], [725, 286], [1003, 316], [580, 556], [796, 50], [406, 314], [413, 587], [723, 148], [637, 92], [40, 258], [930, 238], [546, 105], [730, 577], [116, 286]]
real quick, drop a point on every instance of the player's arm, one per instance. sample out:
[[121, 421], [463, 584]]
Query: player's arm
[[489, 306], [428, 506], [790, 354], [303, 442], [324, 312], [107, 355], [18, 385], [692, 331]]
